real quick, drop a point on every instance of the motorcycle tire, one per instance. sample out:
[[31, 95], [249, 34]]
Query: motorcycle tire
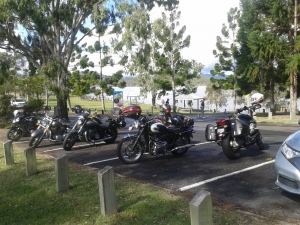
[[14, 134], [183, 140], [125, 152], [113, 132], [69, 141], [34, 141], [228, 150], [259, 142]]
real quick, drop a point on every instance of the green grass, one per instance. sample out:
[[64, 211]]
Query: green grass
[[34, 199]]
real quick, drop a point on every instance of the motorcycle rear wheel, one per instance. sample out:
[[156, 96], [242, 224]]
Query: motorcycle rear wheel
[[125, 152], [34, 141], [228, 150], [14, 134], [69, 141], [180, 142], [259, 142], [113, 132]]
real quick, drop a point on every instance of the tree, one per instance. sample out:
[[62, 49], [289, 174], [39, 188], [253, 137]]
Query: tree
[[216, 96], [170, 41], [52, 31], [226, 48]]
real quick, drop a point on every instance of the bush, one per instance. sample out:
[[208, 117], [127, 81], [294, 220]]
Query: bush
[[33, 106], [6, 111]]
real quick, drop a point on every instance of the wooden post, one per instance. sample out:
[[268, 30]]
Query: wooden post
[[107, 191], [8, 153], [201, 209], [30, 161], [62, 173]]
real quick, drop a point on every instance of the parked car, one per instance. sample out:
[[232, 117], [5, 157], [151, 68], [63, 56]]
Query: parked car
[[18, 102], [287, 164]]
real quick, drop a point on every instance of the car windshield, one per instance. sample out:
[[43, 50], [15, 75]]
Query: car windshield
[[20, 100]]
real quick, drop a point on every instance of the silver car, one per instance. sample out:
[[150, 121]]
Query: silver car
[[287, 164]]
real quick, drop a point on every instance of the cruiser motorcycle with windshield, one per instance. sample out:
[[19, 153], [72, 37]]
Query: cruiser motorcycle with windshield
[[22, 126], [52, 128], [155, 138], [238, 130], [90, 128]]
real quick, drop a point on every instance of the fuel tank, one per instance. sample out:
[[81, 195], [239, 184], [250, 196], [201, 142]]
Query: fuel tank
[[156, 127]]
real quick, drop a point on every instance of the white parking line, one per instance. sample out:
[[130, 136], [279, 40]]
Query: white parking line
[[105, 160], [226, 175], [57, 149]]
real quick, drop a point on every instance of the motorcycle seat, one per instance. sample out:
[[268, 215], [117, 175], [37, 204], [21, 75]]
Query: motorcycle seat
[[173, 129]]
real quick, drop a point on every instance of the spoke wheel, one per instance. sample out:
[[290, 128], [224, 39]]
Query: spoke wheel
[[127, 153]]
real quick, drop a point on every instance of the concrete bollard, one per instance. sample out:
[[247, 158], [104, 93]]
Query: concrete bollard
[[30, 161], [201, 209], [107, 191], [270, 115], [8, 153], [62, 173]]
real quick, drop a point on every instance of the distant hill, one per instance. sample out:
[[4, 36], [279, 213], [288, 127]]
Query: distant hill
[[216, 77]]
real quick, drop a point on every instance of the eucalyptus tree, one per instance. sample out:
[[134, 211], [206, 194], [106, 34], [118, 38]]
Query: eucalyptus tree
[[51, 30], [216, 96], [170, 41], [226, 50]]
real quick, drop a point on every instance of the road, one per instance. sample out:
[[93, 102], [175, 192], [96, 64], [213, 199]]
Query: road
[[247, 183]]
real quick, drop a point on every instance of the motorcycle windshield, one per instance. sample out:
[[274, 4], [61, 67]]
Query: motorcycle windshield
[[245, 118]]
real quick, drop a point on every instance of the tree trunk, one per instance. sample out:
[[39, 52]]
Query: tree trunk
[[272, 106], [173, 90]]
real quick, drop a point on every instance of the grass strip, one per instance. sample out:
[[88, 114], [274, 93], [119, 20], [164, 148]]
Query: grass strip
[[34, 200]]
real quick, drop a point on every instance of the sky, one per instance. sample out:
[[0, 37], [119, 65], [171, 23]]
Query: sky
[[203, 20]]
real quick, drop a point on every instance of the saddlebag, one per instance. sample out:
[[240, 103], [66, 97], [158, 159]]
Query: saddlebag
[[211, 132], [132, 111]]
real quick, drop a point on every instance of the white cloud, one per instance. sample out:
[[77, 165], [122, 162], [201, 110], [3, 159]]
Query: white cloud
[[203, 20]]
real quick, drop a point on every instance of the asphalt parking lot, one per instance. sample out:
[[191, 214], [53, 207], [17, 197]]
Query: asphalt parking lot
[[246, 183]]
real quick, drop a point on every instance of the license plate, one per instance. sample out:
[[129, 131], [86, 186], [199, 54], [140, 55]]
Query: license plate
[[220, 130]]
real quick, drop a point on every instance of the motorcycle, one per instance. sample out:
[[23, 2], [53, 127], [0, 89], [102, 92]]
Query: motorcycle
[[156, 138], [90, 128], [22, 126], [52, 128], [236, 131]]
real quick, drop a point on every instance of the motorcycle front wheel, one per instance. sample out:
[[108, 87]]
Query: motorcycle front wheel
[[69, 141], [113, 132], [180, 142], [259, 142], [126, 153], [229, 151], [14, 134], [36, 140]]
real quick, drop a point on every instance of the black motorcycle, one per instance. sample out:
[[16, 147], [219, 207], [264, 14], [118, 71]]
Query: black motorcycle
[[23, 126], [156, 138], [90, 128], [235, 132], [53, 129]]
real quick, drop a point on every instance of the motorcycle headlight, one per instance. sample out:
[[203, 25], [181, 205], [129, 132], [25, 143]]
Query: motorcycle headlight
[[288, 152], [80, 122], [17, 120]]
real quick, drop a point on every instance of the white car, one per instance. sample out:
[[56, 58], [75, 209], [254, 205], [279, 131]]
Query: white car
[[18, 102]]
